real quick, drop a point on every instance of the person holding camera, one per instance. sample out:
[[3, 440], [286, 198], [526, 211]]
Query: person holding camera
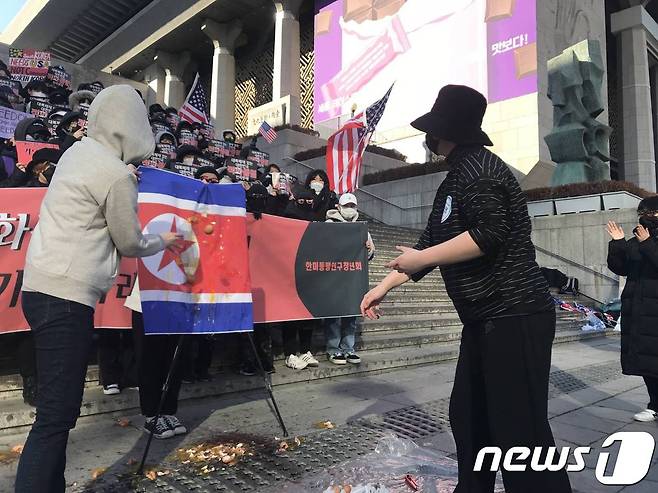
[[637, 260]]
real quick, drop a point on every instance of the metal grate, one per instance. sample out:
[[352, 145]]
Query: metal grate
[[265, 470]]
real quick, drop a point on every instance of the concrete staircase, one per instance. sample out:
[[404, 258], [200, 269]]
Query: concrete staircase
[[419, 326]]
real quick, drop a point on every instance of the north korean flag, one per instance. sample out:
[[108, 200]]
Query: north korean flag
[[205, 289]]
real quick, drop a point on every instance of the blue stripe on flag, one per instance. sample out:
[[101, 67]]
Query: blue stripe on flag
[[153, 180], [166, 317]]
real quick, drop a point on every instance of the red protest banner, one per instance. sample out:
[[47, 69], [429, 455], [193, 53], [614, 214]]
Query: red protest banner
[[312, 270], [27, 65], [25, 150], [19, 213]]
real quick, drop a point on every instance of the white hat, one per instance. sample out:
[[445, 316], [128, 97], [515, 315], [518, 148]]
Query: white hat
[[347, 198]]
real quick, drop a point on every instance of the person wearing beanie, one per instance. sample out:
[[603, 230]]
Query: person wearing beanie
[[186, 154], [208, 174], [478, 234], [156, 110], [93, 200], [228, 135], [59, 97], [637, 260]]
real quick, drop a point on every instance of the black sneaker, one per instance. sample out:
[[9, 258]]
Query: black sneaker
[[337, 359], [160, 428], [247, 370], [270, 369], [353, 358]]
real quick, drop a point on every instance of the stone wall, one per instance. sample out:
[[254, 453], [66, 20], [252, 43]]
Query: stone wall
[[582, 238], [561, 24]]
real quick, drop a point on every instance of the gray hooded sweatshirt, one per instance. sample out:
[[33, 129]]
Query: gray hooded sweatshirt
[[88, 219]]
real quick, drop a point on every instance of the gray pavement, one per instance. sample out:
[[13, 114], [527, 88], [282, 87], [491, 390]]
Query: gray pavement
[[590, 401]]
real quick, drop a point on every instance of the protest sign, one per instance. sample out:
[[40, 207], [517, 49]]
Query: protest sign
[[168, 149], [19, 213], [96, 87], [184, 169], [59, 77], [207, 130], [84, 109], [25, 150], [242, 169], [14, 85], [262, 159], [28, 65], [283, 182], [187, 137], [313, 270], [157, 127], [156, 160], [41, 109], [205, 289], [221, 148], [8, 120]]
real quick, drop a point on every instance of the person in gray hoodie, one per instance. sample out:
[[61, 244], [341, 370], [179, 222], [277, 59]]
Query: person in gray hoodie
[[88, 220]]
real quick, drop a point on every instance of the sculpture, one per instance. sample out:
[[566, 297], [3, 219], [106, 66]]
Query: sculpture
[[579, 144]]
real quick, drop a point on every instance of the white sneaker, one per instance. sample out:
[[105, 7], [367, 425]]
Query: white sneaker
[[310, 360], [175, 424], [295, 362], [112, 389], [646, 416]]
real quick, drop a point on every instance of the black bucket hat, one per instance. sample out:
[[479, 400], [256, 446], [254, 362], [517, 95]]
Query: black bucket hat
[[456, 116]]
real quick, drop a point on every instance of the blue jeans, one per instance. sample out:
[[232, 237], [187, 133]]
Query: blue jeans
[[62, 338], [340, 333]]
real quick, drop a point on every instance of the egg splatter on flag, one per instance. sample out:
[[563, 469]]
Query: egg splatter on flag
[[205, 288]]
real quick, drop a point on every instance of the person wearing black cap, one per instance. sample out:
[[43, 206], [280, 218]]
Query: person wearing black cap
[[42, 167], [69, 131], [207, 174], [478, 233], [28, 129]]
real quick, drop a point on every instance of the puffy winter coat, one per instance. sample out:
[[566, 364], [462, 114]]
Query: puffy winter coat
[[638, 262]]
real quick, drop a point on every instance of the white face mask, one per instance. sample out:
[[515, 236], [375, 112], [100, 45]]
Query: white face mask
[[317, 187], [348, 213], [188, 160]]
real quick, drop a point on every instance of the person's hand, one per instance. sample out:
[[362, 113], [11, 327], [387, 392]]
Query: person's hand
[[369, 246], [371, 301], [410, 262], [78, 134], [641, 233], [173, 241], [615, 231], [134, 171]]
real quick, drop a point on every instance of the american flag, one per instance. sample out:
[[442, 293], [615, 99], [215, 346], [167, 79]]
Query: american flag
[[194, 107], [268, 132], [345, 148]]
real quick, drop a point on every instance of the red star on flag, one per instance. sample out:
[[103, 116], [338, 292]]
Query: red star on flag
[[169, 256]]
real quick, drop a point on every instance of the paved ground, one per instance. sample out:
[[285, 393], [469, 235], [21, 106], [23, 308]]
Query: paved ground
[[590, 401]]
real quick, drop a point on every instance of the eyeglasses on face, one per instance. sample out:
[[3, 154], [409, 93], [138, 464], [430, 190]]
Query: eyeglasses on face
[[308, 201]]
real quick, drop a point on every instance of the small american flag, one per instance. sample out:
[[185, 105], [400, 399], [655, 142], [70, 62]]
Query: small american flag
[[345, 148], [268, 132], [194, 107]]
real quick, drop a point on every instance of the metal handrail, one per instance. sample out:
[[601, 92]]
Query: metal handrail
[[576, 264], [366, 191]]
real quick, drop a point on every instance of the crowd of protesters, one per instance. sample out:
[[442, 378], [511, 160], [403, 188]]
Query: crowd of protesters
[[190, 149]]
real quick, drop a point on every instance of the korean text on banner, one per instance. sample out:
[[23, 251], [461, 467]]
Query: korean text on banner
[[19, 214], [25, 150], [204, 289]]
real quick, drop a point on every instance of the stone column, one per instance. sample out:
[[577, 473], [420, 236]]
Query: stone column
[[174, 65], [222, 93], [154, 77], [286, 55], [637, 117]]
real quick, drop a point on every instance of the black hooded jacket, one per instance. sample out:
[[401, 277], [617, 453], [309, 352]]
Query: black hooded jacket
[[326, 199], [294, 211]]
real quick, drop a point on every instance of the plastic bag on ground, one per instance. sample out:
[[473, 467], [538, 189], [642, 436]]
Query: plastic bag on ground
[[384, 470]]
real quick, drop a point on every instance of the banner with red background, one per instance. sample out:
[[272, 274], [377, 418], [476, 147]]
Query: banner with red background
[[299, 270]]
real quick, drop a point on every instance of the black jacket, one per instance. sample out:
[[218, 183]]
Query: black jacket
[[326, 199], [638, 262], [17, 179]]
